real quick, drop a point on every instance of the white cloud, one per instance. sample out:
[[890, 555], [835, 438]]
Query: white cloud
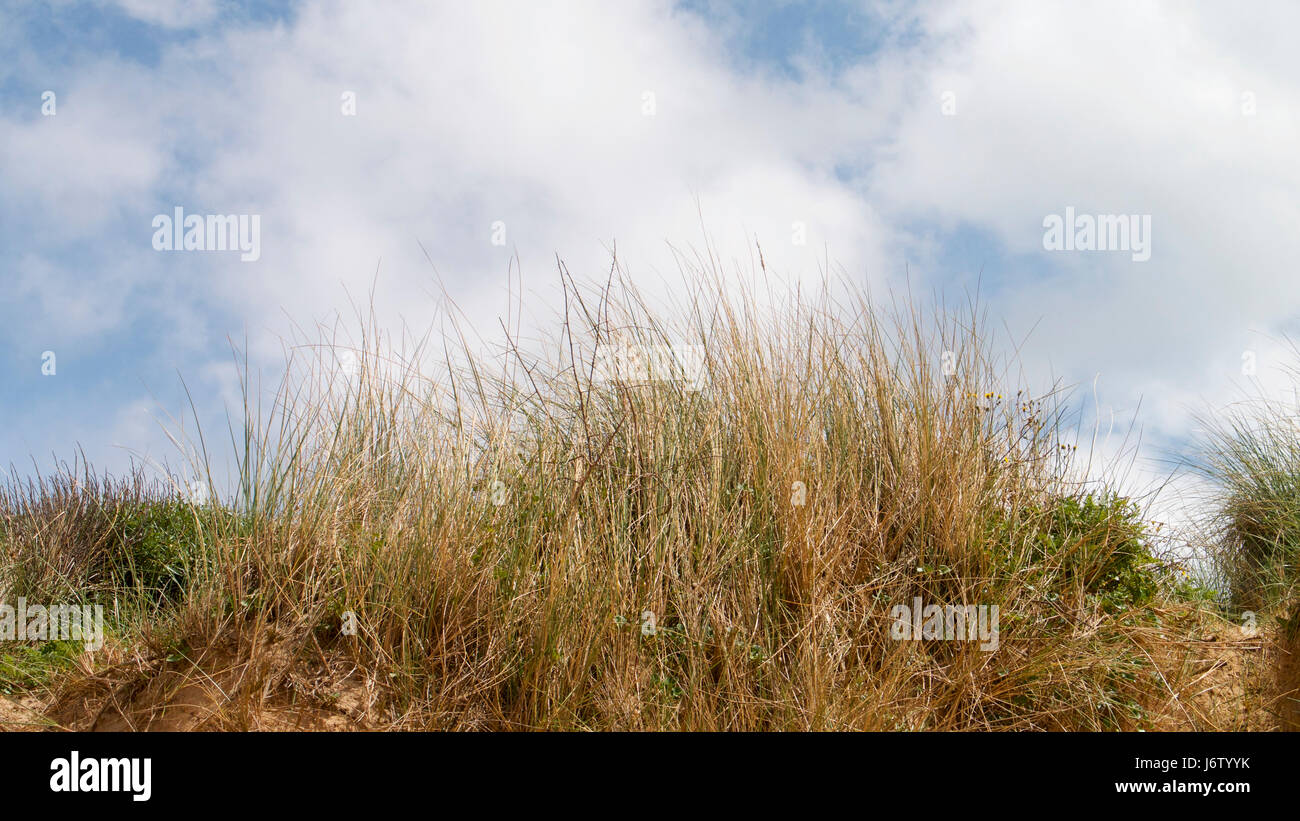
[[467, 115]]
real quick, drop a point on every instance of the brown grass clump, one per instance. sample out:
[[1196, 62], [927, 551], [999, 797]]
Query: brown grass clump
[[700, 520]]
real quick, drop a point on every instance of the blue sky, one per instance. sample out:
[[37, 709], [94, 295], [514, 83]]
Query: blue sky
[[921, 145]]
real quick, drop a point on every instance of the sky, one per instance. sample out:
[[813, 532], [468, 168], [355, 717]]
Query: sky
[[917, 147]]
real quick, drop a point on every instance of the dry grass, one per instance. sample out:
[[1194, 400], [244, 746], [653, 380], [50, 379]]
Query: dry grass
[[527, 545], [1251, 453]]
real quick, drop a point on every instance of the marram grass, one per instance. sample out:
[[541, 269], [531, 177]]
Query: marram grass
[[434, 538]]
